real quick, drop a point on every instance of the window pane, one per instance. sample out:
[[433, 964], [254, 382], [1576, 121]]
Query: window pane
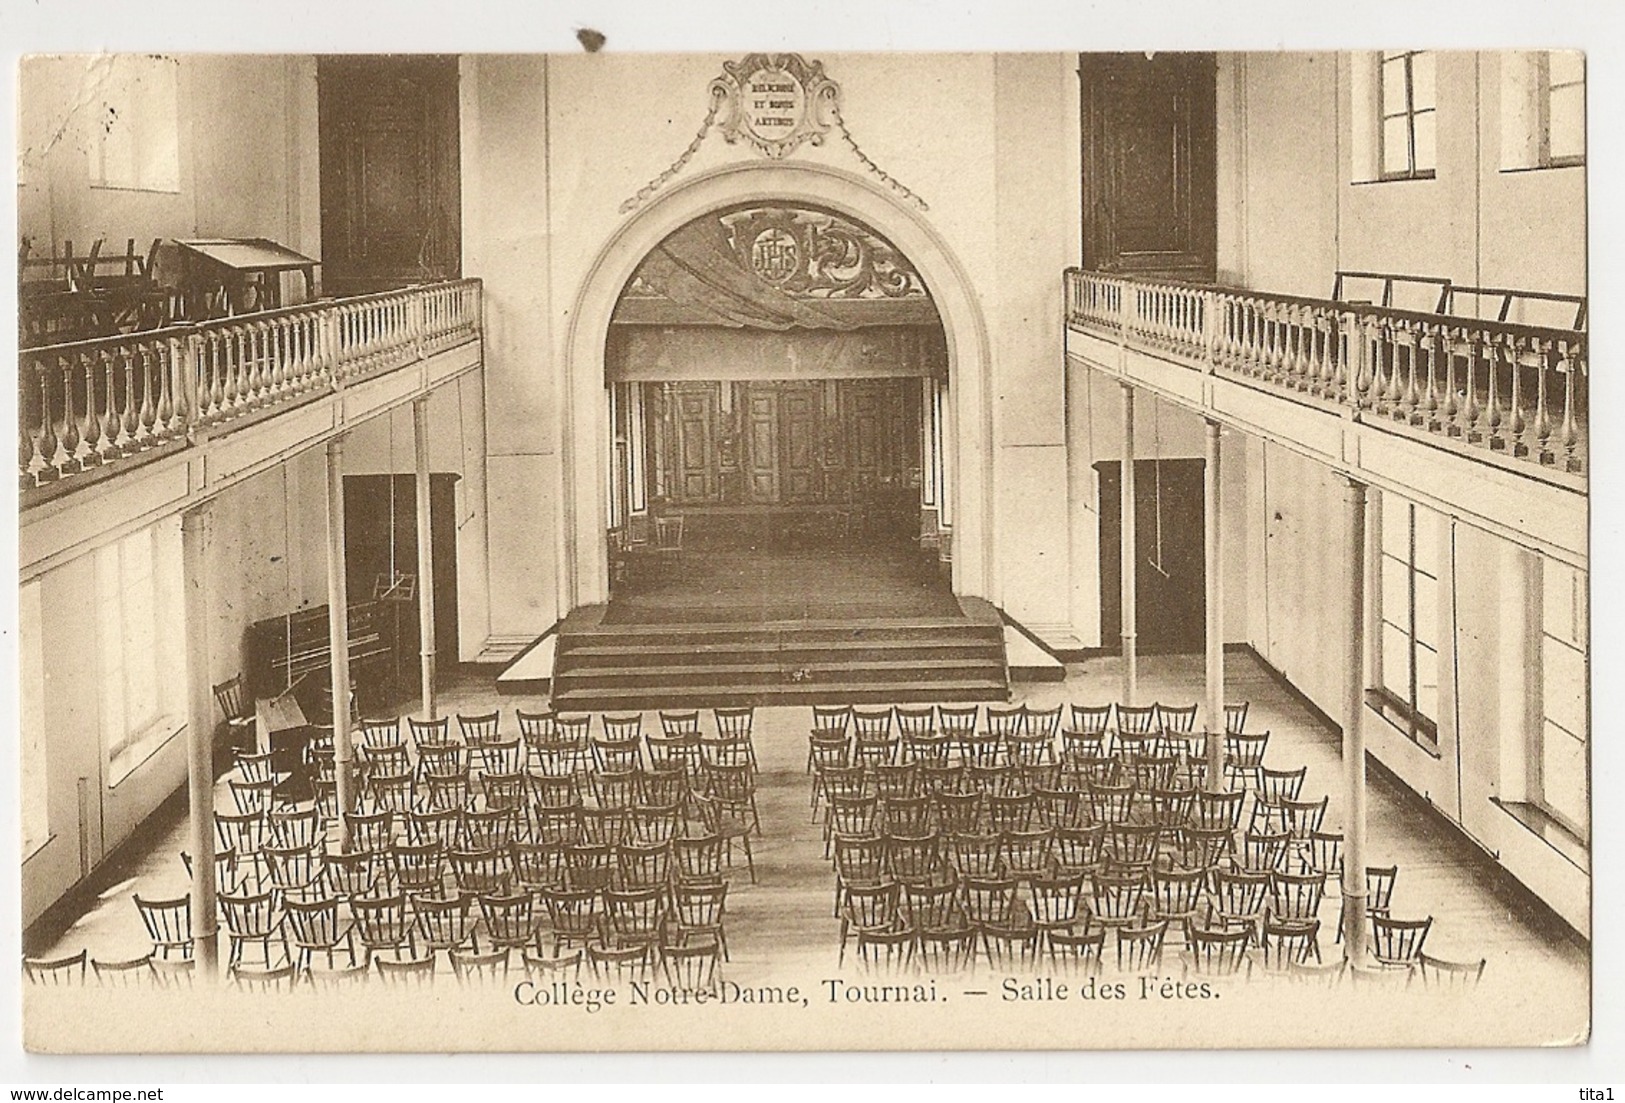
[[1563, 777], [1566, 67], [1396, 526], [1568, 130], [1427, 541], [1422, 93], [1427, 610], [1396, 662], [1557, 600], [1396, 597], [1396, 153], [1427, 157], [1427, 682], [1564, 676], [1393, 87]]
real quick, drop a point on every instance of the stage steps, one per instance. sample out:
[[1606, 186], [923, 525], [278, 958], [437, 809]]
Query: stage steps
[[599, 667]]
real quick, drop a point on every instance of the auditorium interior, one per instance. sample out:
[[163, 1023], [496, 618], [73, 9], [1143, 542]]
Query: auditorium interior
[[888, 519]]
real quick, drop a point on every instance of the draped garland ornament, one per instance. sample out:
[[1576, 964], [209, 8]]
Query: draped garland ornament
[[774, 103]]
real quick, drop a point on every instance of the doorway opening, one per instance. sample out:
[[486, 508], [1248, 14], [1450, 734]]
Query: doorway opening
[[776, 380], [1170, 574]]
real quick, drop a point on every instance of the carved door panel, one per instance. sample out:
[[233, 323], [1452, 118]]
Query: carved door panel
[[390, 188], [696, 478], [800, 409], [866, 425], [1148, 164], [762, 445]]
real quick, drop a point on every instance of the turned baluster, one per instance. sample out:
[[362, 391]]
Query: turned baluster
[[1411, 400], [1569, 435], [146, 417], [51, 453], [129, 417], [1365, 372], [1472, 430], [1494, 417], [171, 387], [1451, 408], [112, 425], [90, 426], [1516, 421], [68, 437], [1430, 399], [1546, 352], [217, 370], [1393, 393]]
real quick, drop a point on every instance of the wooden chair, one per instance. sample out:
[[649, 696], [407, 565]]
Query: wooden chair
[[620, 967], [134, 973], [1398, 941], [1091, 719], [691, 968], [482, 872], [1289, 942], [280, 980], [1074, 952], [867, 908], [169, 925], [697, 911], [473, 968], [407, 973], [238, 713], [1172, 718], [314, 927], [253, 921], [1437, 973], [58, 972], [545, 968], [384, 927], [945, 952], [1218, 953], [669, 537], [573, 917], [1235, 718], [1139, 946]]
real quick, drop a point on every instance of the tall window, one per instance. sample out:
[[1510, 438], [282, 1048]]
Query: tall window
[[1407, 129], [1558, 774], [137, 140], [1543, 109], [142, 652], [31, 700], [1409, 657]]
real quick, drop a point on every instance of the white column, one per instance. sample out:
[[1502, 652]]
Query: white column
[[1128, 551], [1354, 914], [200, 722], [1212, 530], [338, 634], [420, 442]]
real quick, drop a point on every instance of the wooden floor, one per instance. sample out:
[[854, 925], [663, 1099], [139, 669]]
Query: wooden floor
[[784, 924], [782, 581]]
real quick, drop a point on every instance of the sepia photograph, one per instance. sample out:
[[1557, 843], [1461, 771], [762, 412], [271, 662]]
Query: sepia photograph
[[806, 549]]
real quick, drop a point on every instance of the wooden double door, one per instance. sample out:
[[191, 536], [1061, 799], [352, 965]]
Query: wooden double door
[[781, 442]]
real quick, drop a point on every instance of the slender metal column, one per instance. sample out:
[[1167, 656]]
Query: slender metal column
[[1212, 535], [420, 439], [200, 725], [1355, 947], [1129, 550], [338, 636]]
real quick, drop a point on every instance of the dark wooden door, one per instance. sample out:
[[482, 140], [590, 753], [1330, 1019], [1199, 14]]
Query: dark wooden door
[[390, 173], [800, 410], [697, 467], [380, 538], [1170, 574], [1148, 164], [762, 445]]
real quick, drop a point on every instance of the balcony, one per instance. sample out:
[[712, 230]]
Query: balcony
[[1511, 395], [1482, 419], [91, 410]]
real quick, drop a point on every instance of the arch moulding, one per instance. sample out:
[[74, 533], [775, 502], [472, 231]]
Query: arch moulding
[[583, 539]]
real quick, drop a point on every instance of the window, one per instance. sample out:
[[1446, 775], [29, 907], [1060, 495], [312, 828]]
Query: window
[[31, 694], [1543, 109], [142, 672], [137, 140], [1406, 100], [1559, 778], [1408, 658]]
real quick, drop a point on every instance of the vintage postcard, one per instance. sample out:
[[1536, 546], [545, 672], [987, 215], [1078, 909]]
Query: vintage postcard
[[803, 550]]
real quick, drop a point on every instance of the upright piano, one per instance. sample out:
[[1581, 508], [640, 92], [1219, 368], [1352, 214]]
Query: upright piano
[[292, 652]]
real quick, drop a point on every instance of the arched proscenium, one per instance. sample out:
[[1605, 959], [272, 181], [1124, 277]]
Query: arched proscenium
[[584, 577]]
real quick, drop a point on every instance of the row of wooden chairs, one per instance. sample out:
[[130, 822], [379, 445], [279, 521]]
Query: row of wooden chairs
[[1014, 720]]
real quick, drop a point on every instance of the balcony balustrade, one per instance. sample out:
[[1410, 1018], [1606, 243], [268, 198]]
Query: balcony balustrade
[[119, 401], [1514, 391]]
